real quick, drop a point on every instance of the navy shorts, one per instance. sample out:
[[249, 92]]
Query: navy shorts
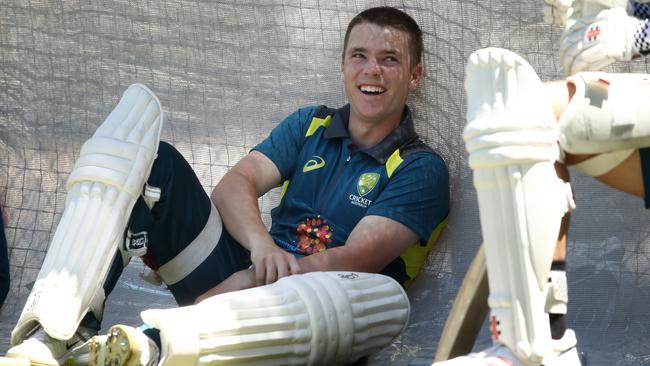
[[176, 220]]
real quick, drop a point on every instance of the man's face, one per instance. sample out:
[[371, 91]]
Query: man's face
[[377, 73]]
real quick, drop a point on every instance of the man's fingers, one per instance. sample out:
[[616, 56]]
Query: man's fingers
[[294, 267], [283, 270], [275, 266], [271, 273], [260, 273]]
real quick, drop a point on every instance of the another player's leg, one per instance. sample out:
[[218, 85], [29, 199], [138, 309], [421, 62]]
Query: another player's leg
[[621, 165], [512, 140], [602, 131], [320, 318], [83, 260]]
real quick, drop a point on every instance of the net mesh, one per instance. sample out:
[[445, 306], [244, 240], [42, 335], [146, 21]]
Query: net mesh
[[226, 72]]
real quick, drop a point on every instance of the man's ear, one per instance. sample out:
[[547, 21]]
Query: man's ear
[[416, 76]]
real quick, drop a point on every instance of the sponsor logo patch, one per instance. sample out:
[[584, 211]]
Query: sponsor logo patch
[[359, 201], [494, 327], [593, 33], [312, 164], [348, 276], [136, 243]]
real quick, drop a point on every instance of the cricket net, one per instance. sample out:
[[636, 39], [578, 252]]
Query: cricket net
[[228, 71]]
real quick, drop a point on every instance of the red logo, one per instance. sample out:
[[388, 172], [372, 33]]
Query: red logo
[[314, 235], [593, 33], [494, 324]]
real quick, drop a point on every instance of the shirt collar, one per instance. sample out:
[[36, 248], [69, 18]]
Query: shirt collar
[[400, 136]]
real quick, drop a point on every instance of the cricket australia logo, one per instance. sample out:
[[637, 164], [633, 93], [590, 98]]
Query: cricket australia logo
[[312, 164], [365, 184], [367, 181]]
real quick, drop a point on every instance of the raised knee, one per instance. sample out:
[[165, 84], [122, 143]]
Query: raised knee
[[166, 151], [606, 113]]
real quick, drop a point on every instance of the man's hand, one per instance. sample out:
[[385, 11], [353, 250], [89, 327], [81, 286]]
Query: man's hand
[[557, 11], [271, 263], [5, 216], [236, 199], [593, 43]]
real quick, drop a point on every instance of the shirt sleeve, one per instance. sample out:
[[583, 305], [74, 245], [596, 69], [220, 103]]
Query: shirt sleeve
[[285, 141], [417, 195]]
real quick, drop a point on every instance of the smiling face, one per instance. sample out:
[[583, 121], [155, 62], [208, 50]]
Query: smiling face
[[377, 74]]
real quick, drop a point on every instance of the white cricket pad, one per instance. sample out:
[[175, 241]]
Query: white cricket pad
[[608, 112], [103, 186], [511, 137], [318, 318]]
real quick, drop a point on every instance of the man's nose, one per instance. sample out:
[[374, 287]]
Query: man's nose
[[372, 67]]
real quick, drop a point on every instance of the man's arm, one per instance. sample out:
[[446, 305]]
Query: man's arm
[[372, 245], [236, 199]]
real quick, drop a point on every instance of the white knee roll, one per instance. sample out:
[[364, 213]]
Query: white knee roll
[[106, 181], [320, 318], [608, 112]]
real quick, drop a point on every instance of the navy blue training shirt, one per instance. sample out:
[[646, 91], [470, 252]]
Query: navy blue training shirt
[[329, 185]]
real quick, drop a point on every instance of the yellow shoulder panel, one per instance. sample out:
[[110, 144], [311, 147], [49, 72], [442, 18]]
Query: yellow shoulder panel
[[393, 162], [317, 122], [416, 254], [285, 185]]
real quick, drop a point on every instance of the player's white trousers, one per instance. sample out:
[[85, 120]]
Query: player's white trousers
[[511, 137], [103, 186], [319, 318]]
